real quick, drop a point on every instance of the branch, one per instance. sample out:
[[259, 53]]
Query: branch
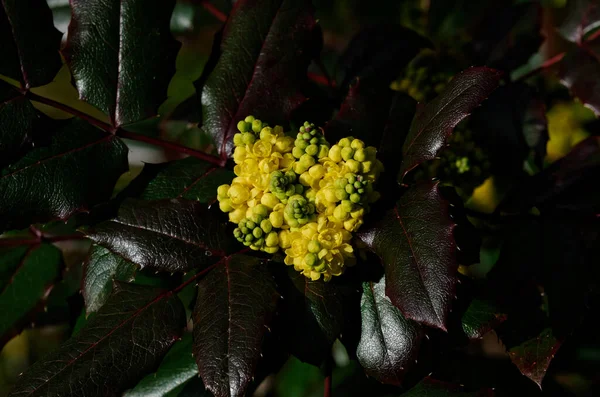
[[214, 11], [548, 63], [328, 376], [126, 134]]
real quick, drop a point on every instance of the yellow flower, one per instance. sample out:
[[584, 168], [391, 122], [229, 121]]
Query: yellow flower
[[261, 148]]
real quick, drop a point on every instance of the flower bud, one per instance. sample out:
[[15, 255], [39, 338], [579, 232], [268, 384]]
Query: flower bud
[[335, 153], [276, 219]]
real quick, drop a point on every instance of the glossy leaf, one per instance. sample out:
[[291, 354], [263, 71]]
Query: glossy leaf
[[580, 71], [102, 267], [29, 42], [581, 18], [434, 388], [175, 370], [362, 114], [28, 274], [17, 120], [566, 184], [480, 318], [189, 178], [233, 309], [534, 356], [265, 49], [121, 343], [416, 245], [56, 181], [389, 342], [122, 55], [378, 52], [166, 235], [434, 123]]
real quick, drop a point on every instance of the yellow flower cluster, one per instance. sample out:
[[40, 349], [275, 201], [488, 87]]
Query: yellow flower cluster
[[299, 195]]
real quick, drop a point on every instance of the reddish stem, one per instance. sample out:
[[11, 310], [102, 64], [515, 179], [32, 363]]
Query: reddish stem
[[327, 386], [548, 63], [214, 11]]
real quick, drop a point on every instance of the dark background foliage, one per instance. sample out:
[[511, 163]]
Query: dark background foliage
[[477, 274]]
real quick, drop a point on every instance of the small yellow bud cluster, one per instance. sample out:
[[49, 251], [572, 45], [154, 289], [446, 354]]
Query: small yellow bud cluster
[[299, 195]]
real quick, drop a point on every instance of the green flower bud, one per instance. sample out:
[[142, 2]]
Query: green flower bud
[[355, 198], [357, 144], [335, 153], [249, 119], [307, 160], [266, 225], [350, 188], [341, 194], [301, 143], [260, 210], [249, 237], [248, 138], [306, 136], [345, 142], [314, 141], [310, 259], [347, 153], [257, 126], [360, 155], [323, 151], [339, 213], [238, 139], [314, 246], [312, 150], [297, 152], [257, 232], [272, 239], [242, 126], [346, 205]]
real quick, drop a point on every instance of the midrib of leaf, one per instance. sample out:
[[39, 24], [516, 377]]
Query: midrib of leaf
[[71, 151], [228, 323], [416, 261], [119, 64], [191, 185], [23, 72], [378, 317], [236, 115]]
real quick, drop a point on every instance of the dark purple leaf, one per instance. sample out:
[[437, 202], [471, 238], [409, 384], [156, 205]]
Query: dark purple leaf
[[234, 306], [534, 356], [265, 49], [119, 345], [429, 387], [416, 245], [122, 55], [189, 178], [389, 342], [480, 318], [78, 170], [167, 235], [17, 120], [29, 42], [377, 53], [568, 184], [28, 273], [434, 123], [362, 114], [102, 267], [580, 72], [582, 17]]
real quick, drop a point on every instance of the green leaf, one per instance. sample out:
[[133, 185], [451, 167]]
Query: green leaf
[[57, 181], [190, 178], [429, 387], [264, 53], [434, 123], [480, 318], [166, 235], [122, 343], [233, 309], [580, 71], [17, 120], [581, 17], [101, 268], [28, 274], [122, 55], [175, 370], [389, 342], [533, 357], [29, 42], [416, 245]]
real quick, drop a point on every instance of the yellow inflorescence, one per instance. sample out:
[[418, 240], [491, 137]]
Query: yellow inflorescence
[[300, 195]]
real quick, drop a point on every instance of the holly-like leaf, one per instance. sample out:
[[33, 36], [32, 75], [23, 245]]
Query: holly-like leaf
[[190, 178], [567, 184], [56, 181], [120, 344], [434, 123], [430, 387], [166, 235], [389, 342], [122, 55], [28, 273], [102, 267], [314, 314], [533, 357], [582, 17], [29, 42], [580, 72], [233, 309], [480, 318], [265, 49], [416, 245], [175, 370], [362, 114], [377, 53], [17, 120]]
